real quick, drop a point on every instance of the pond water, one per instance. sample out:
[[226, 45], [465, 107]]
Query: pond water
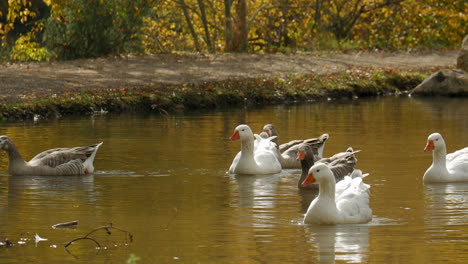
[[164, 180]]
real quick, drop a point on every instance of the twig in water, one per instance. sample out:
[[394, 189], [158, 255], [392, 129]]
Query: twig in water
[[107, 228], [81, 238], [66, 224]]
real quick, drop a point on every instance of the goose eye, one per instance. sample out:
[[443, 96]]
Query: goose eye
[[437, 139], [318, 170]]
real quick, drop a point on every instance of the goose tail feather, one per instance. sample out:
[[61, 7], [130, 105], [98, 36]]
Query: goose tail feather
[[88, 163]]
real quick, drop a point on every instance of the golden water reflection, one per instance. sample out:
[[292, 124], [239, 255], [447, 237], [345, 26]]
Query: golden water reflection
[[348, 243], [164, 179]]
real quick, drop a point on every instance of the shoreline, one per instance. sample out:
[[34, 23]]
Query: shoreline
[[164, 83], [168, 98]]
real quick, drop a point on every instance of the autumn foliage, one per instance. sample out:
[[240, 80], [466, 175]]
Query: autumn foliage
[[68, 29]]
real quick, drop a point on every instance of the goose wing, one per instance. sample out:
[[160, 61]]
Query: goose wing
[[58, 156], [457, 162], [353, 202], [343, 163], [285, 146], [289, 150]]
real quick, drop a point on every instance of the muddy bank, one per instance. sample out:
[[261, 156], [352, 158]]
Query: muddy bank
[[177, 82], [21, 81], [164, 98]]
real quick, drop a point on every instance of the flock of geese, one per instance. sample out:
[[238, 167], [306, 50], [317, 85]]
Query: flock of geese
[[343, 196]]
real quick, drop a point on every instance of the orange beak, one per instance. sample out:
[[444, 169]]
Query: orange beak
[[235, 136], [268, 132], [300, 155], [308, 180], [429, 146]]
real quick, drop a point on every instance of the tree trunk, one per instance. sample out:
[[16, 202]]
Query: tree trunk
[[228, 25], [285, 40], [201, 5], [318, 15], [190, 25], [242, 26], [236, 33]]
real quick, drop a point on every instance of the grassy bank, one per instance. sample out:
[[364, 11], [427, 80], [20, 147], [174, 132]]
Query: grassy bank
[[217, 94]]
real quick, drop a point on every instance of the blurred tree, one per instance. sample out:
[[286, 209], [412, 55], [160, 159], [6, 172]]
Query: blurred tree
[[35, 29], [85, 28], [228, 30], [415, 24], [18, 17], [345, 14], [204, 19], [189, 24]]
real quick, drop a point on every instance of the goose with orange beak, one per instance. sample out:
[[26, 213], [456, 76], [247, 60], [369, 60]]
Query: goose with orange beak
[[256, 156], [345, 202], [445, 167], [287, 152], [341, 164]]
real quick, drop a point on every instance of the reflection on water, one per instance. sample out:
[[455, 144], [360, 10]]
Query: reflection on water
[[347, 243], [257, 191], [164, 180], [307, 196], [29, 195], [50, 183], [446, 218], [447, 206]]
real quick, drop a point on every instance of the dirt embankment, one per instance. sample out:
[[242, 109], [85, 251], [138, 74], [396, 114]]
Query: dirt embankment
[[20, 80]]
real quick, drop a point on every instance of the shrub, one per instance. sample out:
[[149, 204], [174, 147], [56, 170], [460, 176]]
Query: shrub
[[27, 49], [83, 28]]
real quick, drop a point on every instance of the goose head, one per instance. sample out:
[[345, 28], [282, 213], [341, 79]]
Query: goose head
[[304, 151], [270, 130], [242, 132], [434, 141], [5, 143], [317, 174]]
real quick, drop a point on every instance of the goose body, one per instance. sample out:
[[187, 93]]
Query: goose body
[[445, 168], [287, 152], [345, 202], [58, 161], [341, 164], [257, 155]]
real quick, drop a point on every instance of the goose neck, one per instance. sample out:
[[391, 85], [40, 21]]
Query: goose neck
[[327, 190], [439, 158], [13, 154], [247, 146], [305, 164]]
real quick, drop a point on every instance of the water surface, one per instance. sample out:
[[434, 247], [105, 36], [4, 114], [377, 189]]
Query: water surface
[[164, 180]]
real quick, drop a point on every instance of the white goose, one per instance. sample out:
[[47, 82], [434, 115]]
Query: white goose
[[345, 202], [445, 168], [254, 158], [287, 152], [58, 161]]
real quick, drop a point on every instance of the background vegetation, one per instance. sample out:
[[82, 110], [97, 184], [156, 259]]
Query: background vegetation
[[69, 29]]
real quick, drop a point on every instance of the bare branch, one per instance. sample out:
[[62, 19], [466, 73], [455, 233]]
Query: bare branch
[[82, 238], [107, 228], [262, 8]]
